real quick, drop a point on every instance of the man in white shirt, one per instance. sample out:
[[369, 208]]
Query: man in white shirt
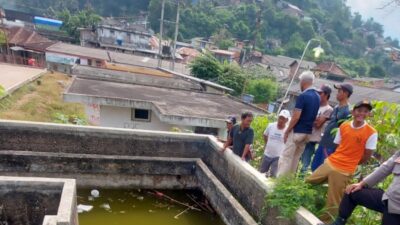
[[274, 144]]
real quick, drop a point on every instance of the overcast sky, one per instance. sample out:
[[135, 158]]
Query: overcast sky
[[389, 17]]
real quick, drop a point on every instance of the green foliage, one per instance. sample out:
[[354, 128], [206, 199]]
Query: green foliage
[[69, 119], [295, 46], [259, 124], [3, 39], [232, 77], [205, 67], [290, 193], [376, 71], [223, 39], [80, 19], [2, 91], [263, 90]]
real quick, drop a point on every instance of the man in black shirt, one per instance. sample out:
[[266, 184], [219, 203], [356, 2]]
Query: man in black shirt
[[241, 136]]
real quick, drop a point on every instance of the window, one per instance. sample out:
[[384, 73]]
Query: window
[[141, 115]]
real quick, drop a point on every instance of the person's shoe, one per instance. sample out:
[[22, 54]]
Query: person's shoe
[[339, 221]]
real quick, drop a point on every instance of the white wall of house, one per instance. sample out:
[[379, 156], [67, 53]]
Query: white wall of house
[[111, 116]]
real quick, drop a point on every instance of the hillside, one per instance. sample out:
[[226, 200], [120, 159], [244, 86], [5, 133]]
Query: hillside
[[273, 26]]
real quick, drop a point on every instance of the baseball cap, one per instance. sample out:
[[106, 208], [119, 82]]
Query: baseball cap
[[285, 113], [231, 119], [346, 87], [325, 89], [364, 103]]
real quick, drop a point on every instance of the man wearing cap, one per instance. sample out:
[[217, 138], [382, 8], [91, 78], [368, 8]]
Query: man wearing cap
[[300, 126], [340, 113], [324, 113], [356, 141], [230, 123], [274, 145], [241, 137]]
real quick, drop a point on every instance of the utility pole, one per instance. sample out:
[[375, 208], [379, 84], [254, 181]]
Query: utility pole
[[161, 34], [176, 36]]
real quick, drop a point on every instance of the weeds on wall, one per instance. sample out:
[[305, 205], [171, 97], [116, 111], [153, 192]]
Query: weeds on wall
[[291, 192]]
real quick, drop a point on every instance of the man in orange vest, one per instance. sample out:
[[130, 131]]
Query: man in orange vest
[[356, 141]]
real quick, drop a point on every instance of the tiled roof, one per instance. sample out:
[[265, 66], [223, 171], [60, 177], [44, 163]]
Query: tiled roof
[[330, 67], [28, 38]]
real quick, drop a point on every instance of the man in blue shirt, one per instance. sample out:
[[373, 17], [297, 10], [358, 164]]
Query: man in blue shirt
[[300, 126]]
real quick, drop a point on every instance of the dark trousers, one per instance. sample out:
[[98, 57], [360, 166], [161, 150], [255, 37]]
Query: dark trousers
[[371, 199]]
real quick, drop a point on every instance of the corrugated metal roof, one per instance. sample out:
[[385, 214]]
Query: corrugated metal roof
[[360, 93]]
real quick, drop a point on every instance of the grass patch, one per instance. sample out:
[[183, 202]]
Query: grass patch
[[42, 101]]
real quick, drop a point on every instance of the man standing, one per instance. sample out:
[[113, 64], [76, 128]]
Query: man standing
[[300, 126], [242, 136], [274, 145], [357, 140], [340, 113], [387, 203], [230, 123], [324, 113]]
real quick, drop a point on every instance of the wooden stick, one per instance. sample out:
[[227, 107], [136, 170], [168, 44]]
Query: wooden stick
[[176, 217], [162, 195], [197, 203]]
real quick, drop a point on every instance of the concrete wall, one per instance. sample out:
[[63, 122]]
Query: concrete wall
[[246, 185], [121, 117], [36, 201]]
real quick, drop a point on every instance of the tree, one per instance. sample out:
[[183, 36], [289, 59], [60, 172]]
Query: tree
[[223, 39], [306, 30], [263, 90], [295, 46], [205, 67], [376, 71], [81, 19], [371, 41], [232, 77], [357, 20]]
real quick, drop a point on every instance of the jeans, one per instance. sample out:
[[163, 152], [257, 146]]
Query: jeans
[[370, 198], [320, 155], [307, 155], [269, 164]]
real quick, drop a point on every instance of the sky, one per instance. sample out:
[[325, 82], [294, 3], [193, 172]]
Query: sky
[[388, 17]]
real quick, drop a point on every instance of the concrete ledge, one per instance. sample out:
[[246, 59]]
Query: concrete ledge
[[246, 184], [66, 214], [226, 205]]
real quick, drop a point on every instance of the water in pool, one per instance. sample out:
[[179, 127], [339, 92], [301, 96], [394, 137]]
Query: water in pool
[[145, 207]]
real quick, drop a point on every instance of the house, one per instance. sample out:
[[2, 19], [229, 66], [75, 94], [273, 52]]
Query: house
[[201, 43], [62, 57], [152, 100], [330, 70], [290, 9], [360, 93], [369, 82], [188, 54], [226, 56], [24, 46], [283, 67], [118, 35]]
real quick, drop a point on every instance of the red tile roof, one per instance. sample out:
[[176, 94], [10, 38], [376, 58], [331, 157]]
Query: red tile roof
[[28, 38], [330, 67]]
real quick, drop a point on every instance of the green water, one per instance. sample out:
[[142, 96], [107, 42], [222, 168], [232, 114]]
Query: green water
[[138, 207]]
